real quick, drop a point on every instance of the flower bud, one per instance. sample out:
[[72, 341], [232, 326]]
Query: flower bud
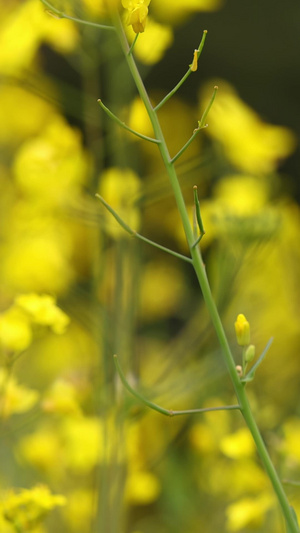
[[242, 330], [249, 353]]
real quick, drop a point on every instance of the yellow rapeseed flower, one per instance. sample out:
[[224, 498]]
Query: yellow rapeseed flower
[[137, 14], [29, 507], [251, 144]]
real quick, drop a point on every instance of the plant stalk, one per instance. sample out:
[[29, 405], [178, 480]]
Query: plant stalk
[[199, 268]]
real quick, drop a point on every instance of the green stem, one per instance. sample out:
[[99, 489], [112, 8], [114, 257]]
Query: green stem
[[162, 410], [134, 233], [181, 82], [123, 125], [205, 287]]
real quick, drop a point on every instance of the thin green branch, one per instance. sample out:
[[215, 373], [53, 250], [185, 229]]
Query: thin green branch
[[181, 82], [133, 44], [61, 15], [123, 125], [198, 216], [201, 123], [187, 144], [138, 235], [162, 410]]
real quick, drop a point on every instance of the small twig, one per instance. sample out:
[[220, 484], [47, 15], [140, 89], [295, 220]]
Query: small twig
[[62, 15], [187, 144], [201, 123], [162, 410], [133, 44], [170, 94], [198, 216], [138, 235], [123, 125]]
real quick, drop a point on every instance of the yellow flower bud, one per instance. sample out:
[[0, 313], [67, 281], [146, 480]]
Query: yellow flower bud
[[242, 330], [194, 64]]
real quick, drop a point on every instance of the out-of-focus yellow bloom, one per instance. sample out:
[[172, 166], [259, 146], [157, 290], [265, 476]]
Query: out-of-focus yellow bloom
[[15, 330], [61, 399], [36, 263], [80, 508], [248, 512], [120, 188], [51, 167], [22, 32], [83, 447], [142, 487], [162, 288], [42, 309], [43, 450], [15, 126], [137, 14], [15, 398], [177, 11], [28, 507], [251, 145], [242, 330], [152, 45], [291, 442], [238, 445]]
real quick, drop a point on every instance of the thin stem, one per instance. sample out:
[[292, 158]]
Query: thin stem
[[187, 74], [123, 125], [201, 123], [134, 233], [162, 410], [133, 44], [205, 287], [187, 144], [62, 15]]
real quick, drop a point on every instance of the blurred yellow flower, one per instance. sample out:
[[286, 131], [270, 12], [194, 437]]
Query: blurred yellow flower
[[142, 487], [248, 512], [15, 330], [177, 11], [61, 398], [42, 309], [137, 14], [250, 144], [152, 45], [80, 508], [15, 126], [28, 507], [15, 398], [238, 445], [120, 188], [23, 31], [43, 449]]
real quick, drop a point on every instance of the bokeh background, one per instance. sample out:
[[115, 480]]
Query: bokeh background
[[75, 288]]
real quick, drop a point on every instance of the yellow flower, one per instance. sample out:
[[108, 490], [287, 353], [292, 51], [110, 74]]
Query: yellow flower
[[43, 310], [15, 398], [15, 330], [137, 14], [27, 508], [152, 45], [242, 330], [248, 512], [251, 144]]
